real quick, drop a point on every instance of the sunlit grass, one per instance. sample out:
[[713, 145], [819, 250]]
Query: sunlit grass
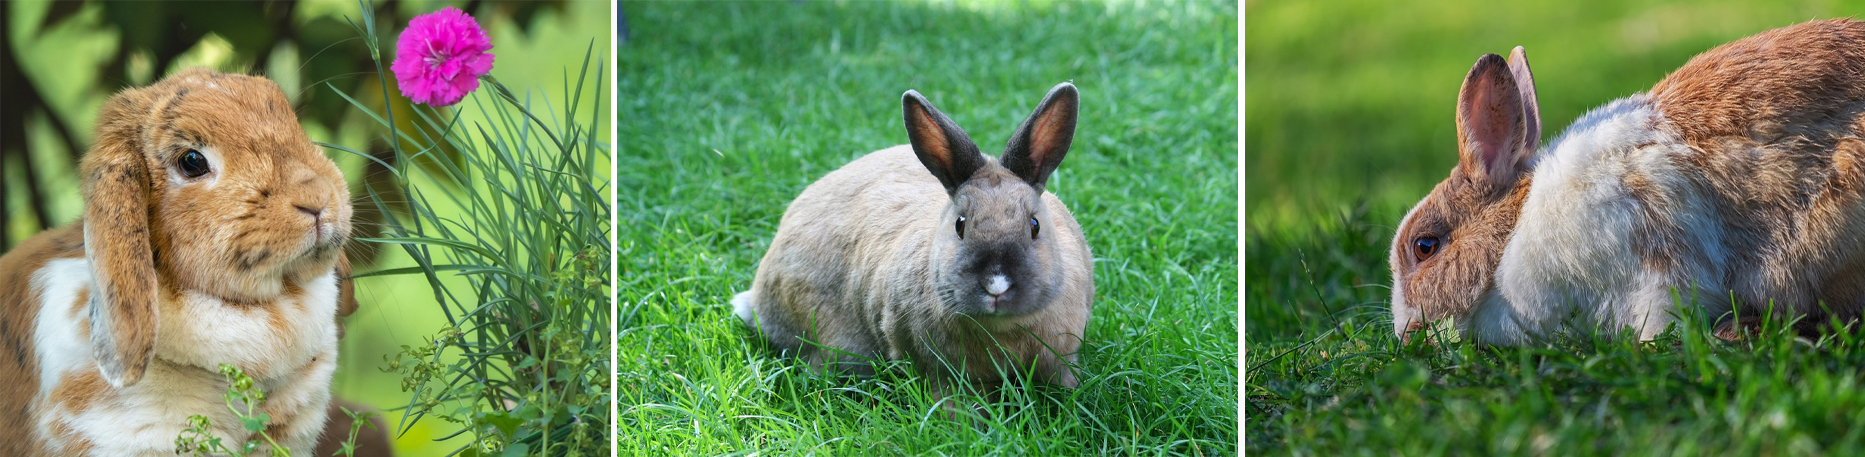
[[1349, 123], [732, 108]]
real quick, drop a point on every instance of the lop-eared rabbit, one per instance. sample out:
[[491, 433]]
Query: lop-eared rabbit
[[212, 233]]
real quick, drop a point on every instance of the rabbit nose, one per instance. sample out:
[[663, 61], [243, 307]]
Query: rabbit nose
[[996, 285], [314, 212]]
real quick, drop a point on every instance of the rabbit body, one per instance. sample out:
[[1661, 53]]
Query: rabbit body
[[116, 325], [1733, 185], [867, 262]]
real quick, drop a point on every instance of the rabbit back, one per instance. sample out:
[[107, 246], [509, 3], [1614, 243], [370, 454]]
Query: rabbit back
[[846, 275], [826, 274], [1735, 184]]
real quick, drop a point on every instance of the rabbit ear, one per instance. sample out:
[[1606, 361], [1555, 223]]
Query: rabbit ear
[[1491, 132], [1043, 139], [945, 150], [117, 201], [1525, 83]]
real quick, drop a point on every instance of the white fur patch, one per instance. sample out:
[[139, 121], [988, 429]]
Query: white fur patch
[[1572, 257], [997, 285], [266, 339], [1403, 315], [61, 333], [195, 334], [741, 306]]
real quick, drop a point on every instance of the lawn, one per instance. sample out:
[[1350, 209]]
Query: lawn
[[1349, 110], [731, 109]]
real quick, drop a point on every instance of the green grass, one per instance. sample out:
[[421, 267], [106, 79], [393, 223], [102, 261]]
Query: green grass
[[730, 109], [1349, 123]]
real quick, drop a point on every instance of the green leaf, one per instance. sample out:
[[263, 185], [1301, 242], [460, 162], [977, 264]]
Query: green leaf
[[255, 424], [516, 450], [504, 422]]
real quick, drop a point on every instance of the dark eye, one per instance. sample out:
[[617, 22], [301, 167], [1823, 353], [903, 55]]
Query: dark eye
[[961, 226], [193, 164], [1424, 247], [1035, 227]]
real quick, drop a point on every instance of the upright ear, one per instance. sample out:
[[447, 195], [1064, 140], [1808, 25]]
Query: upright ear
[[1525, 83], [945, 150], [1492, 134], [117, 201], [1043, 139]]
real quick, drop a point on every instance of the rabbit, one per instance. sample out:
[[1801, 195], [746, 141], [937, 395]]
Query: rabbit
[[936, 254], [1734, 185], [212, 233]]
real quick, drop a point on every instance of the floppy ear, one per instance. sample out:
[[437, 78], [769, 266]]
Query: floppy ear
[[1043, 139], [117, 201], [1491, 130], [945, 150]]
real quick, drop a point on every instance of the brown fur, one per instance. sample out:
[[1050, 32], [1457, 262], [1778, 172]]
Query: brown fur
[[1775, 119], [1773, 125], [19, 306], [1450, 282], [274, 219], [1472, 212]]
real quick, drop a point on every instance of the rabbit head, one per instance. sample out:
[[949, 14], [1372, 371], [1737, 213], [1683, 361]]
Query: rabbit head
[[1445, 253], [990, 255], [206, 181]]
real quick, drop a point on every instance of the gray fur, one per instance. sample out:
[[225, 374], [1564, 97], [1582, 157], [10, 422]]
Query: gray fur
[[868, 264]]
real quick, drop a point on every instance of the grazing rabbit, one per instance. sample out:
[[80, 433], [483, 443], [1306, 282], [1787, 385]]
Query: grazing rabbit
[[1735, 184], [936, 254], [212, 233]]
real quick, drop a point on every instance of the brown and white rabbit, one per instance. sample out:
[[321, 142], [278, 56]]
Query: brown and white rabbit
[[212, 233], [1736, 181], [936, 254]]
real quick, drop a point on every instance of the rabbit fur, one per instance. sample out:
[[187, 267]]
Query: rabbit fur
[[113, 327], [1733, 185], [934, 253]]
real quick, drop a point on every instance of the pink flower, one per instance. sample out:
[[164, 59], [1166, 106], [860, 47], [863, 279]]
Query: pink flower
[[440, 57]]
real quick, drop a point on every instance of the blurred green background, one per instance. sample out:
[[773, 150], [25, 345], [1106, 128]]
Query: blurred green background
[[1348, 123], [1349, 100], [1349, 105], [63, 59]]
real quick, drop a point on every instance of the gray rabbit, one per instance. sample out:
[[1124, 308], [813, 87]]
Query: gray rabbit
[[972, 270]]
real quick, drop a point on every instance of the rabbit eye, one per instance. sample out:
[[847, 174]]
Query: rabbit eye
[[1424, 247], [1035, 227], [193, 164], [961, 226]]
